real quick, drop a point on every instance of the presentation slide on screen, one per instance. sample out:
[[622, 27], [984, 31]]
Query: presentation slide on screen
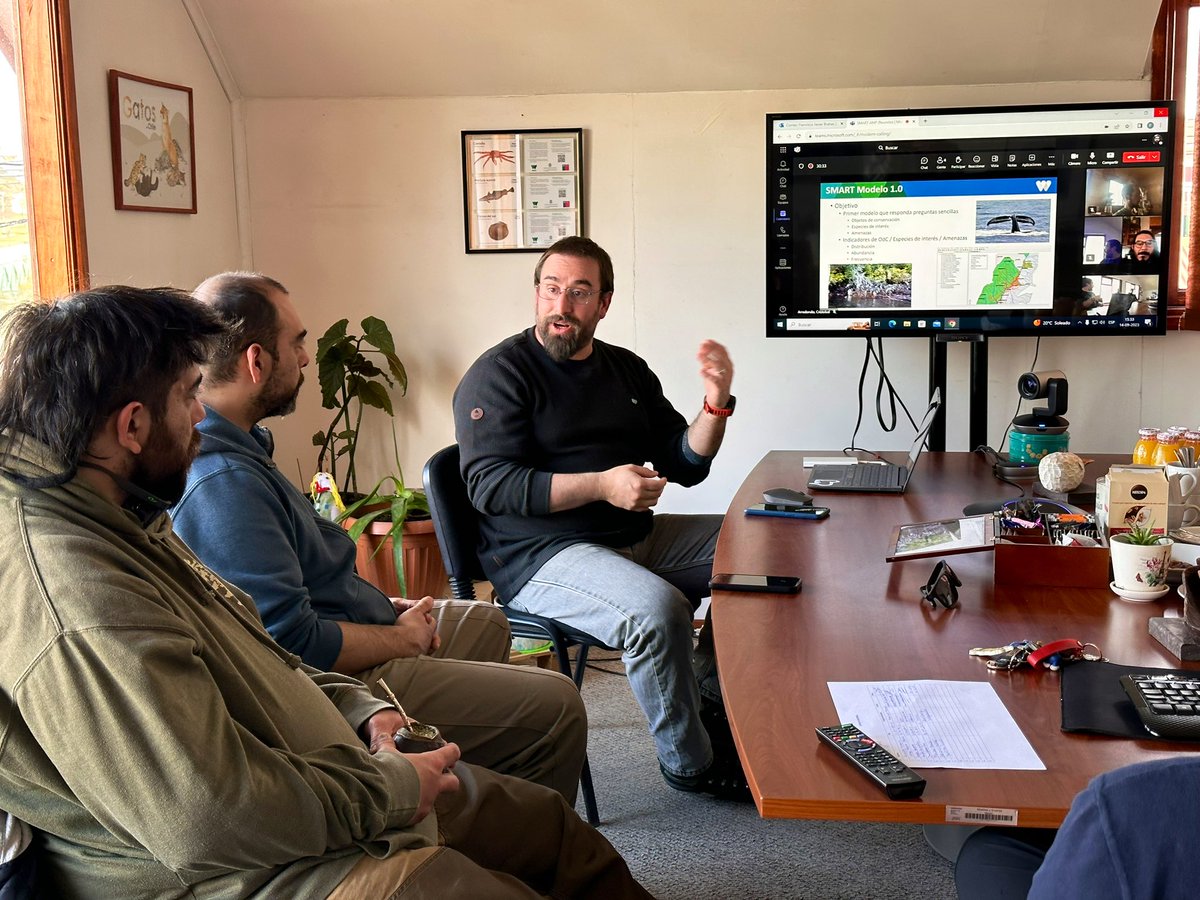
[[933, 245]]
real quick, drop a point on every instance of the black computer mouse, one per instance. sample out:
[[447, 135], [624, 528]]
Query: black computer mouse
[[787, 497]]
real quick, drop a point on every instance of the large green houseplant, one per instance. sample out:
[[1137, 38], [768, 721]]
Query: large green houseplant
[[352, 380]]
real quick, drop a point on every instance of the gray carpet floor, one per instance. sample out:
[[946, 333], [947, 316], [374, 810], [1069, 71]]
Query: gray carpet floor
[[685, 845]]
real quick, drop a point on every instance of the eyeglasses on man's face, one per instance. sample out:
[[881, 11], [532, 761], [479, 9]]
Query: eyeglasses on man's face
[[1143, 243], [551, 292]]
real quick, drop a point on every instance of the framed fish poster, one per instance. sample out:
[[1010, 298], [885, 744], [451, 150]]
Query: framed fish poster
[[153, 144], [522, 190]]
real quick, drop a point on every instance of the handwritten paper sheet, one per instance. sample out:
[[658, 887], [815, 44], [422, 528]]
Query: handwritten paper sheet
[[936, 724]]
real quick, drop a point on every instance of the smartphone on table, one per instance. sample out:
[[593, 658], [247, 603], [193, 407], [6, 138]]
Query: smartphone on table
[[788, 511], [765, 584]]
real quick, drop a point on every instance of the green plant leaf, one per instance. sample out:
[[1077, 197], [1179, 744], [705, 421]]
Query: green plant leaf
[[372, 393], [362, 524], [333, 334], [368, 369], [399, 514], [378, 335], [375, 495], [333, 349], [1143, 535], [398, 371], [350, 381], [331, 373], [402, 501], [318, 439], [400, 506]]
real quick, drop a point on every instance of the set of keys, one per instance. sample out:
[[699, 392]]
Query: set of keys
[[1052, 655]]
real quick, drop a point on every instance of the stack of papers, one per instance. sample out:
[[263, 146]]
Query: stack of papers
[[936, 724]]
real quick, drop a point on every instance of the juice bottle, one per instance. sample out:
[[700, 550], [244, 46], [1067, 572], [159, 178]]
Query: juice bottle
[[1191, 438], [1147, 443], [1168, 443]]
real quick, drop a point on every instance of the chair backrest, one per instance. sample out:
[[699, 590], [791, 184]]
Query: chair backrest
[[455, 521], [456, 524], [1119, 304]]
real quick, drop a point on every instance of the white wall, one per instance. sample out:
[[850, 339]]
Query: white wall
[[154, 39], [357, 207]]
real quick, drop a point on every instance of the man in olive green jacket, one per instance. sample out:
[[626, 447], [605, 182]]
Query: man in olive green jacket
[[156, 738]]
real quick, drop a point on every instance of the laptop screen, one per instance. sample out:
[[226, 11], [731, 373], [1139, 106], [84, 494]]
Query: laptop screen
[[935, 401]]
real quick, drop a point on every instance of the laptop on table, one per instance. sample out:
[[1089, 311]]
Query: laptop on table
[[879, 479]]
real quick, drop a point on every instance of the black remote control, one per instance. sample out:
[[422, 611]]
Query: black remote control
[[897, 780]]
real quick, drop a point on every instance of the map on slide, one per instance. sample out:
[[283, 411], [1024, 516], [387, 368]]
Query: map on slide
[[1013, 280]]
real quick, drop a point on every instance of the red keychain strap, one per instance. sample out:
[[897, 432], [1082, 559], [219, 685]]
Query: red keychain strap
[[1045, 651]]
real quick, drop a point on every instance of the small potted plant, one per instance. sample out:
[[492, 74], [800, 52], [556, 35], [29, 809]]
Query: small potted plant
[[390, 515], [1140, 558]]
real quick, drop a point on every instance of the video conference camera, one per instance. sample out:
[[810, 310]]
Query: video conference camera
[[1050, 385]]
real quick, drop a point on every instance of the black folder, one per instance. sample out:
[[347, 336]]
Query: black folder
[[1094, 701]]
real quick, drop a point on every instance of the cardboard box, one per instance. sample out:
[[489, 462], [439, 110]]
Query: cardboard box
[[1102, 505], [1137, 496]]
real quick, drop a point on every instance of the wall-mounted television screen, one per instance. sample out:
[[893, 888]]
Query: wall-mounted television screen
[[1000, 220]]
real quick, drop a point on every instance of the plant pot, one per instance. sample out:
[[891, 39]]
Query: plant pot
[[1139, 567], [423, 569]]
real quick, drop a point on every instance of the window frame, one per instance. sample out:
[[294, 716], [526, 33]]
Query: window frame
[[53, 177], [1168, 81]]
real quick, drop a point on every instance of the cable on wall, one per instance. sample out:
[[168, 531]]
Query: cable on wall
[[885, 394]]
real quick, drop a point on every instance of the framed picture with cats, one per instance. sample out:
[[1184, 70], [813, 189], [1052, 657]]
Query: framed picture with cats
[[153, 144]]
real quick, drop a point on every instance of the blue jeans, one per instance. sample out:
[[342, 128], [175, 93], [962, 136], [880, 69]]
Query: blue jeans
[[998, 863], [641, 599]]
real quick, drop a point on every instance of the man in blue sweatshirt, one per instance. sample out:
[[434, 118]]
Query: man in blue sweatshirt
[[253, 526]]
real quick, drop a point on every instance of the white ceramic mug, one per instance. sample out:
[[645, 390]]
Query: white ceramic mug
[[1182, 484], [1180, 515]]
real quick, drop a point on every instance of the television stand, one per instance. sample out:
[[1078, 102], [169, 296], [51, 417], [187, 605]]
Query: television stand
[[977, 398]]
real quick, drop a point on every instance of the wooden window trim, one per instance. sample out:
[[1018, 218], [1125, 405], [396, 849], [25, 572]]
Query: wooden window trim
[[1168, 81], [53, 178]]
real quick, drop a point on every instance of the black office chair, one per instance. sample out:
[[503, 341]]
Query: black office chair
[[456, 524], [1120, 304]]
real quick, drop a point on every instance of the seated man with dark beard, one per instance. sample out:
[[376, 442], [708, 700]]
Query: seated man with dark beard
[[151, 732], [567, 443], [445, 659]]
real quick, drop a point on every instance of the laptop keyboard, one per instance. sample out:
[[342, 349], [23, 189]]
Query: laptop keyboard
[[866, 475]]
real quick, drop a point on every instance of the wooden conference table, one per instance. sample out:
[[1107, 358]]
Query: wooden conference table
[[859, 618]]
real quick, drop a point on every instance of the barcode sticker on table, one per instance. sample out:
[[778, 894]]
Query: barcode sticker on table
[[981, 815]]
